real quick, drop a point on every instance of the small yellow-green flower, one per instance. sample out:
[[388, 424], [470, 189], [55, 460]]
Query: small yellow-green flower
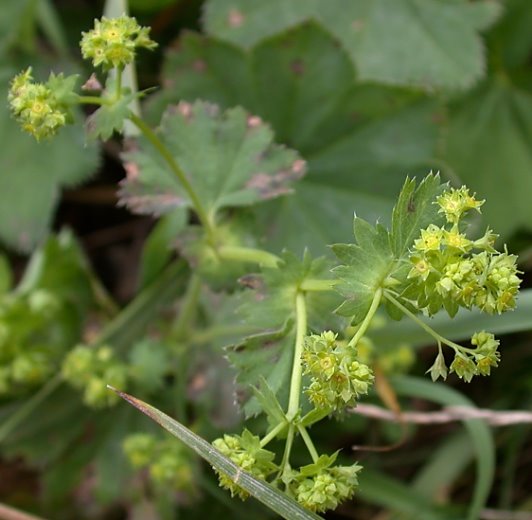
[[114, 41], [430, 240], [455, 202], [36, 107]]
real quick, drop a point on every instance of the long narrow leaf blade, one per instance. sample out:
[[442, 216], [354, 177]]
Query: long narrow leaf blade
[[480, 433], [262, 491]]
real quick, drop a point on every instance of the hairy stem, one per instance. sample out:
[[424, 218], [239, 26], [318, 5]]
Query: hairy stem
[[369, 316], [179, 173], [295, 382], [438, 337]]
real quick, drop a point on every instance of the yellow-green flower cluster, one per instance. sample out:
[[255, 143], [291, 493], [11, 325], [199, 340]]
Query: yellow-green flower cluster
[[245, 451], [450, 270], [91, 370], [320, 486], [468, 363], [113, 41], [36, 107], [169, 463], [337, 377], [29, 349]]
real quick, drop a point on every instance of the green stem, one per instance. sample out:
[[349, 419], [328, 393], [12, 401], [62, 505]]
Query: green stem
[[438, 337], [369, 316], [247, 254], [318, 285], [188, 308], [295, 382], [179, 333], [29, 406], [118, 78], [287, 449], [272, 434], [179, 173], [202, 337], [92, 100], [308, 443]]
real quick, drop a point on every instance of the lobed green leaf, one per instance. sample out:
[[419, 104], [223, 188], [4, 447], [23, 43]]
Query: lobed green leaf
[[405, 42]]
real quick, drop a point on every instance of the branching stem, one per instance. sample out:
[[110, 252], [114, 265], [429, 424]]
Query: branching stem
[[272, 434], [369, 316], [438, 337], [179, 173], [308, 443], [295, 382]]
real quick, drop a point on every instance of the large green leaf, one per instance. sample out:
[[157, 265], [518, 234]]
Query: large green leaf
[[429, 43], [364, 267], [228, 157], [32, 175], [359, 140], [488, 146], [273, 498]]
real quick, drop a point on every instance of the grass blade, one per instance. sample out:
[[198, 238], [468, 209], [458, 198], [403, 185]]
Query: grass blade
[[481, 436], [262, 491]]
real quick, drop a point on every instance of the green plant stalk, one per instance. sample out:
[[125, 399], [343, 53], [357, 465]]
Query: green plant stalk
[[308, 443], [179, 333], [179, 173], [247, 254], [287, 450], [188, 308], [29, 406], [295, 381], [316, 285], [118, 86], [221, 331], [92, 100], [272, 434], [377, 297], [438, 337]]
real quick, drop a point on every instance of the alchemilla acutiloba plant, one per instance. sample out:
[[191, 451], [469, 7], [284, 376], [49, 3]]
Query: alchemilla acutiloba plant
[[309, 316]]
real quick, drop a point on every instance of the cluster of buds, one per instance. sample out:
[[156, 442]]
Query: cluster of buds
[[321, 486], [337, 377], [91, 370], [41, 108], [28, 355], [113, 42], [169, 463], [468, 363], [245, 451], [451, 271]]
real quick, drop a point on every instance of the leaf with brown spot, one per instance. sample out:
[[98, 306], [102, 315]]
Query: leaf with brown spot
[[229, 158], [388, 41]]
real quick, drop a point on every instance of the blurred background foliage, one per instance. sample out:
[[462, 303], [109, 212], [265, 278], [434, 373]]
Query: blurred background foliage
[[368, 91]]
